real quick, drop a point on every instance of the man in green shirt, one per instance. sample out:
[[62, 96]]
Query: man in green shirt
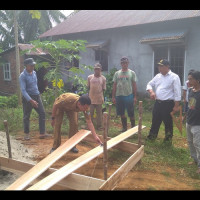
[[124, 93]]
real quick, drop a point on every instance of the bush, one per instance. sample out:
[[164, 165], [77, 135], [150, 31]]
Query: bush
[[8, 102], [109, 83]]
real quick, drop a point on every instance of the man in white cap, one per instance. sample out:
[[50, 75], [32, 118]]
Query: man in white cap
[[31, 98]]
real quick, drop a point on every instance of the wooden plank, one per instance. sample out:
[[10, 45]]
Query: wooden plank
[[43, 165], [73, 181], [120, 173], [140, 125], [123, 146], [55, 177], [105, 152], [8, 138]]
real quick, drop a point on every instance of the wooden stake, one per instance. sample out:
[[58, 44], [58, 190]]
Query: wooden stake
[[105, 153], [8, 138], [178, 120], [109, 113], [140, 124]]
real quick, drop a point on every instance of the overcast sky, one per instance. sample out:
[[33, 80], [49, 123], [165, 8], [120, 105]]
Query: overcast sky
[[66, 13]]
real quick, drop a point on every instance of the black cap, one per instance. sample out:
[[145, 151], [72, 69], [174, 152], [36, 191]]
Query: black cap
[[124, 59], [29, 61], [163, 62]]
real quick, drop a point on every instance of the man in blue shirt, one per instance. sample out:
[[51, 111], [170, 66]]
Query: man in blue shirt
[[31, 98]]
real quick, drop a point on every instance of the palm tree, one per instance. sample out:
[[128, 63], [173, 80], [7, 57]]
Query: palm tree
[[7, 38], [19, 26], [28, 28]]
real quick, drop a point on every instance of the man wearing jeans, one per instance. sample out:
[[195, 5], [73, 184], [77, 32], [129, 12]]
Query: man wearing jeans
[[31, 98]]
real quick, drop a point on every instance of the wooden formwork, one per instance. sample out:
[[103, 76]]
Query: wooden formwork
[[42, 177], [75, 181]]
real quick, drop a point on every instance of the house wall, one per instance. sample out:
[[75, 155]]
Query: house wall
[[9, 87], [124, 41]]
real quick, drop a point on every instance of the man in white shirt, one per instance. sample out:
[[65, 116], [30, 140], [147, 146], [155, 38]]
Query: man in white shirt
[[165, 89]]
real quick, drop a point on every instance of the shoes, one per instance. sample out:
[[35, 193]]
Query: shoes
[[43, 136], [52, 150], [123, 130], [74, 150], [151, 138], [27, 136], [192, 163]]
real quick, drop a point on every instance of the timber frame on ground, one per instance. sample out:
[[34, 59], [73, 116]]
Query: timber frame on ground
[[75, 181]]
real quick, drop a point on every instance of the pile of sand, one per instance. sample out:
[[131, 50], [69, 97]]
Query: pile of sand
[[19, 152]]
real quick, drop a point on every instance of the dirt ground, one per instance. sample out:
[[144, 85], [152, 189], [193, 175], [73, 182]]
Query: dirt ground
[[135, 179]]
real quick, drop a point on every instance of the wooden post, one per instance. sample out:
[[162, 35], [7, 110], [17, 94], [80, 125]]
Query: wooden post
[[8, 138], [109, 113], [17, 58], [105, 153], [140, 124]]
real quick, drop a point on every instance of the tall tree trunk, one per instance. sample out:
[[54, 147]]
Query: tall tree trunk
[[17, 58]]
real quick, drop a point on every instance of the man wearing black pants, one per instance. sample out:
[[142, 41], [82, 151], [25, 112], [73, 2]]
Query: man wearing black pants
[[165, 89], [31, 98]]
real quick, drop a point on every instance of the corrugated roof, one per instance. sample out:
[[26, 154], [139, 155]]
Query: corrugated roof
[[91, 20], [37, 51], [175, 35], [28, 47]]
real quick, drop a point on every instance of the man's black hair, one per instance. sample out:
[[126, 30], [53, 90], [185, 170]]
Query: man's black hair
[[196, 75], [190, 72], [85, 99]]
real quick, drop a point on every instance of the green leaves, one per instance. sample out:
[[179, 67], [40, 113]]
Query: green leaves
[[35, 14], [60, 63]]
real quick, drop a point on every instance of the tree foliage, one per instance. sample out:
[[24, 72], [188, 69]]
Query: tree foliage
[[60, 64], [29, 27]]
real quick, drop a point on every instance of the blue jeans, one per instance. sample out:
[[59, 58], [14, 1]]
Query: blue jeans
[[125, 103], [27, 108], [193, 138]]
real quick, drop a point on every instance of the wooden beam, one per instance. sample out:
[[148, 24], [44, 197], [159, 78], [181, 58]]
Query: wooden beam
[[105, 152], [73, 181], [43, 165], [140, 125], [55, 177], [8, 138], [120, 173], [123, 146]]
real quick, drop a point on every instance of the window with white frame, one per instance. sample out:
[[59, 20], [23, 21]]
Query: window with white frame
[[6, 72], [176, 56]]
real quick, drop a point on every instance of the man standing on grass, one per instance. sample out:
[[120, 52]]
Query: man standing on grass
[[165, 89], [193, 117], [96, 84], [124, 93], [31, 98]]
